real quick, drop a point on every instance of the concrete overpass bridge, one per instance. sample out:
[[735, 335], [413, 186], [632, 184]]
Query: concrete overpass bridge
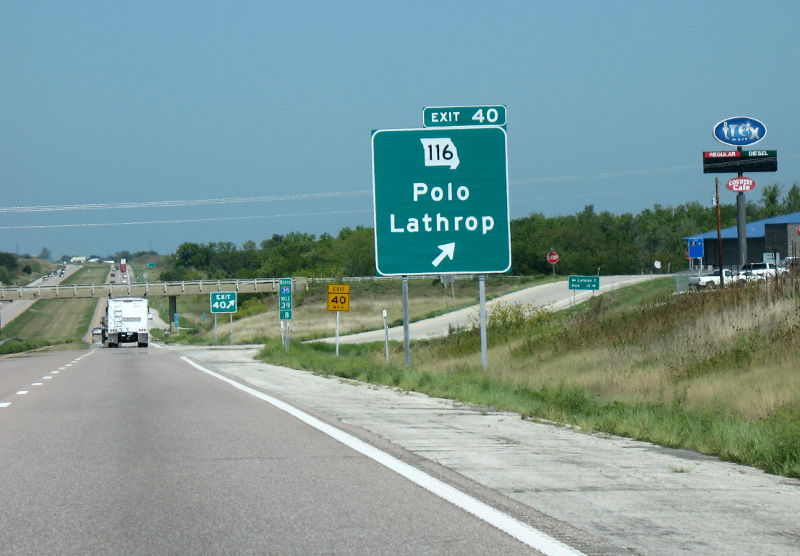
[[144, 289]]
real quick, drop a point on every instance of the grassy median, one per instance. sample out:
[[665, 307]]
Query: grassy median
[[713, 372], [57, 321]]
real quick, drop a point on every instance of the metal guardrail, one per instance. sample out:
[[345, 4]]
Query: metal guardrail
[[144, 289], [168, 289]]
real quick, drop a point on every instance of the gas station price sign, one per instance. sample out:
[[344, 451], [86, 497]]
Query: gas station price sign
[[734, 162]]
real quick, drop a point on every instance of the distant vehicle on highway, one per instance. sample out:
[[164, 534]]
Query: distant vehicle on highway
[[126, 321]]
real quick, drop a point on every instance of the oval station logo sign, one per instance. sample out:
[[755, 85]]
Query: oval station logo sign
[[741, 185], [740, 131]]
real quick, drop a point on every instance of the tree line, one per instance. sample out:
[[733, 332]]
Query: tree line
[[588, 242]]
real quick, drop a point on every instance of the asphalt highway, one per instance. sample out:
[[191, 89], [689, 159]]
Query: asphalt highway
[[136, 451]]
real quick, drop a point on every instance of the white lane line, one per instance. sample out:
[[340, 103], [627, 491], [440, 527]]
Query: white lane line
[[61, 368], [54, 372], [5, 404], [156, 345], [521, 531], [47, 377], [22, 392], [36, 384]]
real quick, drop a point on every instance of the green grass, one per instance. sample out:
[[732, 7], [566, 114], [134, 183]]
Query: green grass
[[712, 372], [56, 321]]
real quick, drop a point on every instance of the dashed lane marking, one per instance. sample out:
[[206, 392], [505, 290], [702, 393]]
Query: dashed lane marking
[[5, 404], [22, 392]]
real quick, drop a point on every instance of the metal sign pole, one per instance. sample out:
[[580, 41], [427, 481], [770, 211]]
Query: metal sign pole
[[406, 332], [386, 332], [231, 322], [720, 260], [482, 296], [215, 327], [337, 333]]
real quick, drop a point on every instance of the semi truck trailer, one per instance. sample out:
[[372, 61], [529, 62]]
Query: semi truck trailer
[[126, 321]]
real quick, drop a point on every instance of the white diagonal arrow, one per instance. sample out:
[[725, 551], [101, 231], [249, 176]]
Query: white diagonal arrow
[[448, 250]]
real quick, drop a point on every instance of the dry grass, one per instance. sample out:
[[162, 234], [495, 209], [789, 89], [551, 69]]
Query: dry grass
[[311, 319], [700, 351]]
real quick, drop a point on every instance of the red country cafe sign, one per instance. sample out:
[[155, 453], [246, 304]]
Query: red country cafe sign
[[741, 184]]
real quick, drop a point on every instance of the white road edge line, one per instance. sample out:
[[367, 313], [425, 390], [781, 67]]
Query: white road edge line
[[521, 531], [5, 404]]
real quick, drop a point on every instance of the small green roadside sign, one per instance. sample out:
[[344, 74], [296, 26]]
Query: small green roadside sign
[[450, 116], [223, 302], [285, 299], [584, 282], [441, 201]]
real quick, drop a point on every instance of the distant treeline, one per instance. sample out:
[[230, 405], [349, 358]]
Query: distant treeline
[[586, 241]]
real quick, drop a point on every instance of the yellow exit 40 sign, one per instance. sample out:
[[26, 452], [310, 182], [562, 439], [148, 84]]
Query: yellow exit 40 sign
[[338, 297]]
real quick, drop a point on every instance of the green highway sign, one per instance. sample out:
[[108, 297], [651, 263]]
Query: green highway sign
[[441, 201], [584, 282], [449, 116], [285, 299], [223, 302]]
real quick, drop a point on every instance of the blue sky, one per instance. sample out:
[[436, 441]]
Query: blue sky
[[270, 106]]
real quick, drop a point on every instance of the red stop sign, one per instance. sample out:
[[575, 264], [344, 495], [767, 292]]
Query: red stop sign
[[552, 257]]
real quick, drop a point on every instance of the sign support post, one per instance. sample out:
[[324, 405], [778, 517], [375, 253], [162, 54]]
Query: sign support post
[[719, 236], [482, 316], [406, 332], [386, 332]]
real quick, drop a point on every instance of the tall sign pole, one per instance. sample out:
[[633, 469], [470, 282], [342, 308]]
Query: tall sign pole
[[741, 222], [740, 132], [719, 236]]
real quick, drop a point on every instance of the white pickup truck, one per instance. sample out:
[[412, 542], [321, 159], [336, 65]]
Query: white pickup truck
[[762, 270], [711, 279]]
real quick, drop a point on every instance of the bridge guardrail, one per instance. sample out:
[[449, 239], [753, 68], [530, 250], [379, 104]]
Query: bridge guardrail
[[143, 289]]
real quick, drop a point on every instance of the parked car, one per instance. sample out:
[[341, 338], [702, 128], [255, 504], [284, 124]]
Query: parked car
[[711, 279], [762, 270]]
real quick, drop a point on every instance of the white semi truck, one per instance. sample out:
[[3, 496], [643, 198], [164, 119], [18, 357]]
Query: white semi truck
[[126, 321]]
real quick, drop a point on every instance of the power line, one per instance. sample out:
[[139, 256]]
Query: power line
[[181, 221], [185, 202]]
